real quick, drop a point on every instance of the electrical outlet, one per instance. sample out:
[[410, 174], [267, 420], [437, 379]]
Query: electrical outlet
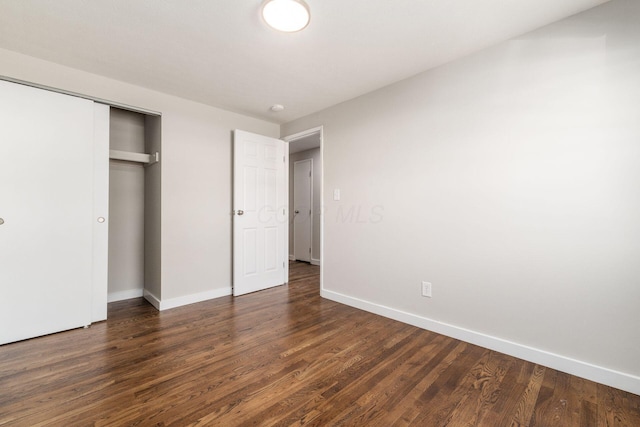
[[426, 289]]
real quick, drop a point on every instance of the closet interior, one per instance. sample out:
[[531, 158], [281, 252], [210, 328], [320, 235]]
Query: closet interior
[[134, 205]]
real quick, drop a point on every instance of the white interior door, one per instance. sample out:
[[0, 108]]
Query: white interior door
[[47, 210], [302, 188], [260, 213]]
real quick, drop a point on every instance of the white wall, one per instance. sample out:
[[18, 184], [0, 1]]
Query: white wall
[[314, 154], [126, 207], [196, 174], [508, 179]]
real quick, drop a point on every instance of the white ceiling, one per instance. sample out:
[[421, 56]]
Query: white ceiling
[[219, 52], [307, 142]]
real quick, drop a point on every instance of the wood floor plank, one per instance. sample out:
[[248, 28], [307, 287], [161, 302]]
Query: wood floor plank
[[486, 390], [450, 387], [615, 408], [281, 357], [411, 405], [529, 398], [513, 384]]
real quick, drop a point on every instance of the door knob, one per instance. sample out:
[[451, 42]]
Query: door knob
[[240, 212], [1, 221], [296, 211]]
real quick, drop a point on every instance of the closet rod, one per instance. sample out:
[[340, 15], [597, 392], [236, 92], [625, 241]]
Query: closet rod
[[128, 156]]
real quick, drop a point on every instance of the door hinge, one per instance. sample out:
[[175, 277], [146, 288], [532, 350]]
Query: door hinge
[[309, 250], [283, 159], [309, 174], [282, 264]]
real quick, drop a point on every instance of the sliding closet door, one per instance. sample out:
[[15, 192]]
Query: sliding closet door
[[47, 210]]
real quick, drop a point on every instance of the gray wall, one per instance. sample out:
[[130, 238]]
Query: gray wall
[[153, 208], [508, 179], [196, 174], [126, 207], [317, 202]]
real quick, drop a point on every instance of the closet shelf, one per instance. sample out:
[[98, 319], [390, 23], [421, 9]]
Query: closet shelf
[[127, 156]]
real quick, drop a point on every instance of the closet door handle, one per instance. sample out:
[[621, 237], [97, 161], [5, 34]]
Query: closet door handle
[[240, 212]]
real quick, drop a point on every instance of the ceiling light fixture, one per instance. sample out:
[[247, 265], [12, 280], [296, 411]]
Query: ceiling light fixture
[[286, 15]]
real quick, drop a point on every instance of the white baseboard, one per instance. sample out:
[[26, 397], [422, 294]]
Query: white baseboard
[[167, 304], [153, 300], [292, 258], [123, 295], [620, 380]]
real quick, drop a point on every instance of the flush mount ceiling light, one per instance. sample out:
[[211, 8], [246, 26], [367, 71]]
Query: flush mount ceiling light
[[286, 15]]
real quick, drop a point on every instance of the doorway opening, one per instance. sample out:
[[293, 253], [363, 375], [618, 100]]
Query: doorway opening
[[305, 197], [134, 206]]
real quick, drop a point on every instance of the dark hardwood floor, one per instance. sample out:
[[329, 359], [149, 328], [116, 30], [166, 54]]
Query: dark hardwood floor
[[284, 356]]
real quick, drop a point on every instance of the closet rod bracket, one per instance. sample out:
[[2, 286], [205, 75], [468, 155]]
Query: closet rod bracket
[[153, 158]]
